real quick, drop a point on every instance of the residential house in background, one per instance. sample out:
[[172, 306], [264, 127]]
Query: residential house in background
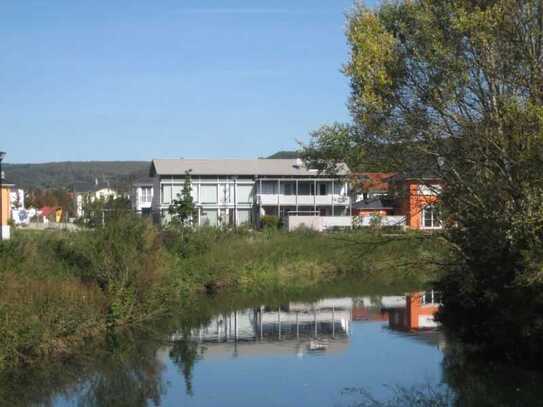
[[141, 196], [237, 192], [19, 214], [371, 196], [417, 199], [17, 198], [5, 204], [100, 193], [402, 200]]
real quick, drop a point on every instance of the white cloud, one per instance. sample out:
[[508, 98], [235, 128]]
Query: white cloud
[[251, 11]]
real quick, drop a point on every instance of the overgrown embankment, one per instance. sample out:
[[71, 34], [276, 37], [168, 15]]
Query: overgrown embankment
[[60, 290]]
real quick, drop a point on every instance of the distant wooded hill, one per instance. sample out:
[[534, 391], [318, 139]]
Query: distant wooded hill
[[285, 154], [83, 176], [77, 176]]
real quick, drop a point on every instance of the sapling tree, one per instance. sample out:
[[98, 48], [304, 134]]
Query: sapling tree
[[182, 209]]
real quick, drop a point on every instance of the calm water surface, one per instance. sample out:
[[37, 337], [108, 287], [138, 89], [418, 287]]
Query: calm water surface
[[294, 354]]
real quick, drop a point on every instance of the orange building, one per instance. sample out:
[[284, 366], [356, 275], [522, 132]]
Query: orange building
[[390, 194], [5, 213], [417, 200]]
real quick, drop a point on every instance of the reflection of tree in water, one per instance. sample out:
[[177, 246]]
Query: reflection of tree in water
[[466, 383], [484, 383], [128, 373], [184, 353]]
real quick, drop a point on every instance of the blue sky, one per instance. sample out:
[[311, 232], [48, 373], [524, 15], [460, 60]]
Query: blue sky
[[136, 80]]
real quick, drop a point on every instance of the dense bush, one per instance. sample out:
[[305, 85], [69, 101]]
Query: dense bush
[[58, 288], [270, 221]]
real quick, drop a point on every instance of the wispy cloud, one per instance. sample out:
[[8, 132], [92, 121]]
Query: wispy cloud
[[252, 11]]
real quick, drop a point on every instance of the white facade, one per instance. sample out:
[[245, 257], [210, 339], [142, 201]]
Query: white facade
[[103, 193], [219, 201], [238, 192], [17, 198], [142, 197]]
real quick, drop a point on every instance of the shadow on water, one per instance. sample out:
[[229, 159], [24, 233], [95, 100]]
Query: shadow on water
[[128, 369], [471, 384], [124, 372]]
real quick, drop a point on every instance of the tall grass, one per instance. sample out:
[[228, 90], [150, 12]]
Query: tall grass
[[274, 259]]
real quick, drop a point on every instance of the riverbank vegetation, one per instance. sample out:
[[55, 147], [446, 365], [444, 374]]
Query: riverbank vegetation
[[59, 290]]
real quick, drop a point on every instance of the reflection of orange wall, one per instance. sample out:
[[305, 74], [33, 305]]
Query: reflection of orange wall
[[408, 318], [412, 203], [6, 209], [415, 309]]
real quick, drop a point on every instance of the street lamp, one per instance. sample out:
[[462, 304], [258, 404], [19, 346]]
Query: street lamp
[[2, 156]]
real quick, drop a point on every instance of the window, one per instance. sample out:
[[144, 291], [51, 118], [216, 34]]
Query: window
[[177, 191], [244, 217], [322, 189], [304, 188], [269, 188], [208, 193], [288, 188], [209, 217], [431, 218], [194, 192], [166, 193], [245, 194], [146, 194]]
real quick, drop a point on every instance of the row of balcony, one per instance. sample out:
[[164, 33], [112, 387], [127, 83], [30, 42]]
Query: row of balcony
[[302, 200]]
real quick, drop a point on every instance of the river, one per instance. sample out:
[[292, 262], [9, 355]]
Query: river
[[329, 351]]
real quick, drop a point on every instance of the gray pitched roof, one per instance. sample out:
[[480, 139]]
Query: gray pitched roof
[[259, 167]]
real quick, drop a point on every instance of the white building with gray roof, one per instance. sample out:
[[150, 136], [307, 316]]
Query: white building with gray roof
[[237, 192]]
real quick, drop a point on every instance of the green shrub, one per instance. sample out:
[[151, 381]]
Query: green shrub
[[270, 221]]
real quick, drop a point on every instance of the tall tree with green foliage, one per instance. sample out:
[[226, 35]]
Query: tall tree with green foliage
[[455, 88], [331, 145], [182, 209]]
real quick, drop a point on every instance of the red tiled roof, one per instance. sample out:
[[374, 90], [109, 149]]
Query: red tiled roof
[[374, 181], [47, 210]]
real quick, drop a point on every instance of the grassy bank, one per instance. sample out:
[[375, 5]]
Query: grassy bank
[[60, 291]]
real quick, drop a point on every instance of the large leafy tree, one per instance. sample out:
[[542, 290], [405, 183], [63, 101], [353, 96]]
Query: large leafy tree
[[458, 85]]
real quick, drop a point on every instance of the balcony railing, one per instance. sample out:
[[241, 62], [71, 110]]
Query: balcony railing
[[302, 200]]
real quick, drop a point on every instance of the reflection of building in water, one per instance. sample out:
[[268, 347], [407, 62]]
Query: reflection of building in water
[[293, 328], [416, 312], [328, 318], [302, 327], [375, 308]]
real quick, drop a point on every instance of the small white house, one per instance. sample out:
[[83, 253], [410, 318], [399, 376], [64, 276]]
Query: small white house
[[141, 196], [103, 193]]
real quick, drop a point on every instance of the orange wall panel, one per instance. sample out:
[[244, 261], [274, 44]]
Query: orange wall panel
[[6, 207]]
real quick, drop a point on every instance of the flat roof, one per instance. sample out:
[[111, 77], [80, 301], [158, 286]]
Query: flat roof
[[6, 183], [253, 167], [373, 204]]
